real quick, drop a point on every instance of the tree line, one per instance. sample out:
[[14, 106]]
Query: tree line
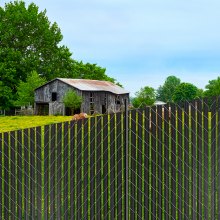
[[173, 90]]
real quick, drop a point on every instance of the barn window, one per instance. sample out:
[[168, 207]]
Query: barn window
[[54, 96], [117, 100]]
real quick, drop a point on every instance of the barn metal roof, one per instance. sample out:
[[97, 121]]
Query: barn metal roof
[[93, 85]]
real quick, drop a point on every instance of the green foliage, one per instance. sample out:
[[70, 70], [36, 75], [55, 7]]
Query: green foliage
[[90, 71], [72, 100], [145, 97], [165, 92], [185, 92], [5, 96], [28, 41], [200, 93], [213, 88], [26, 89]]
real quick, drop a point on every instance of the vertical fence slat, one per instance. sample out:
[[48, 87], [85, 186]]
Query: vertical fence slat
[[59, 169], [146, 161], [32, 172], [79, 170], [92, 168], [193, 164], [180, 159], [26, 173], [206, 156], [213, 153], [86, 169], [119, 166], [72, 169], [39, 172], [98, 166], [133, 165], [105, 176], [19, 174], [6, 176], [159, 161], [12, 174], [52, 170], [112, 167], [173, 161], [199, 160], [1, 176], [166, 160], [65, 170], [46, 171], [186, 158], [154, 204], [139, 162]]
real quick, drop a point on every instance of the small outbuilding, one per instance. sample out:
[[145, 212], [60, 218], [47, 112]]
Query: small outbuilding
[[99, 97]]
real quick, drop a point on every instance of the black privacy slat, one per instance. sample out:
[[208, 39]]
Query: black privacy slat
[[112, 166], [59, 162], [199, 159], [186, 159], [32, 171], [65, 171], [19, 175], [92, 167], [146, 162], [6, 176], [46, 171], [119, 165], [72, 169], [39, 172], [86, 168], [12, 172], [26, 173], [206, 157]]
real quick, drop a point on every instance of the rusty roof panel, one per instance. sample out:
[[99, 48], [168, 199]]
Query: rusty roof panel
[[94, 85]]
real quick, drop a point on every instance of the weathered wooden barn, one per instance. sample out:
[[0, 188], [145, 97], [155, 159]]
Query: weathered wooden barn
[[98, 96]]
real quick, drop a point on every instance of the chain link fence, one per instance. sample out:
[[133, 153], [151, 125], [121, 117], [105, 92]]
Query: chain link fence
[[160, 162]]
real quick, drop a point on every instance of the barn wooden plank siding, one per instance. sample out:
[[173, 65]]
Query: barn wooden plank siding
[[99, 97]]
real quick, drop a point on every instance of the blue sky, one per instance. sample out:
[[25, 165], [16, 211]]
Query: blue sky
[[142, 42]]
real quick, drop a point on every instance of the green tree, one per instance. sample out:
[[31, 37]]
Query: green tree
[[28, 41], [213, 88], [90, 71], [72, 100], [166, 91], [185, 92], [25, 90], [5, 96], [145, 97]]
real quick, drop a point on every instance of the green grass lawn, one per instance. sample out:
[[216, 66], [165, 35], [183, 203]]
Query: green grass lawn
[[10, 123]]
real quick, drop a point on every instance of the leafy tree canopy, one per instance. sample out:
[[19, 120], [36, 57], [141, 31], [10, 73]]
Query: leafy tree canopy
[[72, 100], [213, 88], [30, 42], [166, 91], [185, 92], [26, 89], [145, 97], [90, 71]]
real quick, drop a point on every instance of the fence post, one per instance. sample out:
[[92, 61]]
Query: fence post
[[126, 160]]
